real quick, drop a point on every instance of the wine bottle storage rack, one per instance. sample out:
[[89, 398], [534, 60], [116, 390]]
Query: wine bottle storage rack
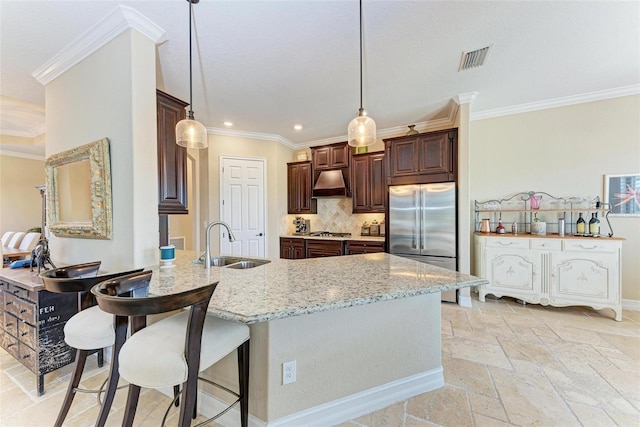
[[521, 208]]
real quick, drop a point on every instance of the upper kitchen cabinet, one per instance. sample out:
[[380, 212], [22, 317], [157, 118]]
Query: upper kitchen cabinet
[[299, 184], [368, 181], [330, 156], [172, 158], [422, 158]]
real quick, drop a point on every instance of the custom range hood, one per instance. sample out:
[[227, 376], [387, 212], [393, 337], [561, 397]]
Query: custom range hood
[[330, 183]]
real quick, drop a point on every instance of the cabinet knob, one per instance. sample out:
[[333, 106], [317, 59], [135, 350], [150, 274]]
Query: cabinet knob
[[259, 234]]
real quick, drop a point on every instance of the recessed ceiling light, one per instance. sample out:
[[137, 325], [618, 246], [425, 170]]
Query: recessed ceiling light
[[228, 124], [297, 127]]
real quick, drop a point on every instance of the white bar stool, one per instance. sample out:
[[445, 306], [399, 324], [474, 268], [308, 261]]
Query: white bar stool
[[172, 351]]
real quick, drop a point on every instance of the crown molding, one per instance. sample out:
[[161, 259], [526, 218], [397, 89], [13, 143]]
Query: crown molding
[[466, 98], [24, 133], [252, 135], [558, 102], [21, 155], [119, 20]]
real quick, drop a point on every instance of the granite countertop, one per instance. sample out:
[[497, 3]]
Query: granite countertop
[[306, 236], [286, 288]]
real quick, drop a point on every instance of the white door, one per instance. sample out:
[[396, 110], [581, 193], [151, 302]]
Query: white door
[[242, 206]]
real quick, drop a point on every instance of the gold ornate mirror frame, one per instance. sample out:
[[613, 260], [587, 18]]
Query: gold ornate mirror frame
[[79, 192]]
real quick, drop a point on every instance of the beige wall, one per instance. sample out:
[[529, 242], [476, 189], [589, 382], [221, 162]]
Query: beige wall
[[565, 152], [276, 156], [20, 203], [110, 94]]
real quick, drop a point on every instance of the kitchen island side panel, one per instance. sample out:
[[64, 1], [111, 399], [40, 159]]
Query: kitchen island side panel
[[338, 353]]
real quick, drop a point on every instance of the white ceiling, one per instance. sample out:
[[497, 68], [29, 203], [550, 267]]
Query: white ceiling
[[266, 65]]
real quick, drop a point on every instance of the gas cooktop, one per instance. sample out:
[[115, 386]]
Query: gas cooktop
[[329, 234]]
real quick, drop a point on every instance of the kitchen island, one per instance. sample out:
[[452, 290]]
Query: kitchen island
[[364, 331]]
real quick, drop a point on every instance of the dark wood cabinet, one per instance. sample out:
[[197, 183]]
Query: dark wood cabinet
[[323, 248], [172, 158], [299, 184], [292, 248], [368, 181], [422, 158], [356, 247], [332, 156]]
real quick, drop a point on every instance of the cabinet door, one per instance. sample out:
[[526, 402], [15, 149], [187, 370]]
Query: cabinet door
[[340, 155], [299, 183], [403, 158], [377, 183], [361, 184], [321, 157], [436, 155], [584, 278], [514, 272], [298, 251], [172, 158]]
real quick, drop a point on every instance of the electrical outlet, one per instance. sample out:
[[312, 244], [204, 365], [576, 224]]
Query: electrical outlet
[[289, 372]]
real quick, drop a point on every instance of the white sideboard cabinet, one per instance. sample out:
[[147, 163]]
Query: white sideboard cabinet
[[551, 270]]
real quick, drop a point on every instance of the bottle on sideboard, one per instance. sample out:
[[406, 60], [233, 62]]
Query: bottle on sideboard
[[500, 228], [581, 225], [594, 224]]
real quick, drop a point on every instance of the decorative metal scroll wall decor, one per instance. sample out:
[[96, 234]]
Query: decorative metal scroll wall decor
[[79, 192]]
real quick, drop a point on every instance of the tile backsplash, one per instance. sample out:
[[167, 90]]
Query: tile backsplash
[[334, 214]]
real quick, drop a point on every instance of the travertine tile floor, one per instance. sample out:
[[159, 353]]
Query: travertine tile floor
[[505, 364]]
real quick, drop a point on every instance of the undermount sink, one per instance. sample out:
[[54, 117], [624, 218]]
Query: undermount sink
[[221, 261], [233, 262], [248, 263]]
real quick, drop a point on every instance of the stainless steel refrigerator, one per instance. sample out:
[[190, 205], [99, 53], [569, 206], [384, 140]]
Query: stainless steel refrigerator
[[422, 225]]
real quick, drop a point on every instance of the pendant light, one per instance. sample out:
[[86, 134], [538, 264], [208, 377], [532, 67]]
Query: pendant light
[[191, 133], [362, 129]]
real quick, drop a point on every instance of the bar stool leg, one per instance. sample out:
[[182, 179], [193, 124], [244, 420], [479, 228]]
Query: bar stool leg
[[114, 375], [243, 377], [132, 403], [81, 358]]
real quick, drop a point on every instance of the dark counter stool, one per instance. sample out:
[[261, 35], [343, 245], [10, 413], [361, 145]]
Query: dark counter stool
[[172, 351], [89, 331]]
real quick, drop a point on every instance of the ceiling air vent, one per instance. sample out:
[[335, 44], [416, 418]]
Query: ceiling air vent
[[473, 59]]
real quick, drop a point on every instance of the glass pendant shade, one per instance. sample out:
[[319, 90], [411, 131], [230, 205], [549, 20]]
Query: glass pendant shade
[[191, 134], [362, 131]]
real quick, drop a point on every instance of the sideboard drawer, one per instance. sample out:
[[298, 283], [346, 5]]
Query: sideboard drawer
[[546, 244], [27, 334], [28, 357], [17, 291], [11, 345], [10, 324], [590, 245], [506, 242]]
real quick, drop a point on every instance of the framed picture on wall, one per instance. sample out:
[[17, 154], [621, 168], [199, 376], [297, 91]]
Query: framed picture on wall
[[622, 193]]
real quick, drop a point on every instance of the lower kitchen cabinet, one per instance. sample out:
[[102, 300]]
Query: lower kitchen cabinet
[[356, 247], [552, 271], [32, 328], [322, 248], [292, 248]]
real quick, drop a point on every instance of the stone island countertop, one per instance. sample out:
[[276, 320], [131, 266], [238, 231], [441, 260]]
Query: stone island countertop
[[286, 288]]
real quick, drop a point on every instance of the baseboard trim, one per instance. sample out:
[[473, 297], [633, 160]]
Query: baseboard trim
[[337, 411], [631, 304]]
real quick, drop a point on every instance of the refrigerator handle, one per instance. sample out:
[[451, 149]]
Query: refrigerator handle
[[422, 210], [416, 219]]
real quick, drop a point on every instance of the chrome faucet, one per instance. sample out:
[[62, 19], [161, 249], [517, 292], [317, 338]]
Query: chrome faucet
[[207, 251]]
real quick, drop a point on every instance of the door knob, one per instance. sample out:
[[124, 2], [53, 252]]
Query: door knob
[[259, 235]]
